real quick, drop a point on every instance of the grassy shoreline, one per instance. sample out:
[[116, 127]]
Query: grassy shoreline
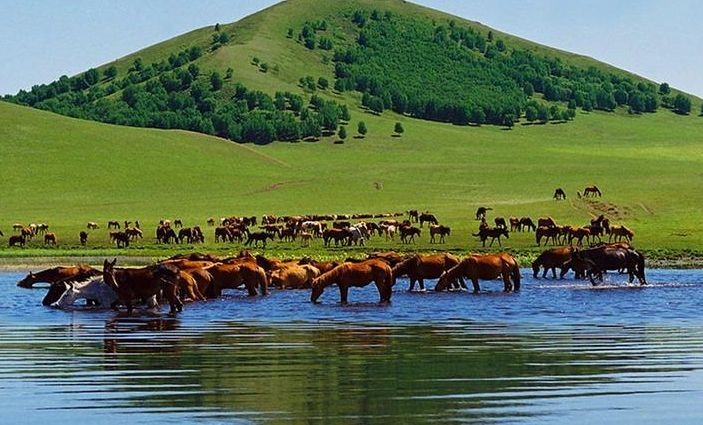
[[21, 261]]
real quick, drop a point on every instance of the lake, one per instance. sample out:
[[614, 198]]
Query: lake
[[559, 352]]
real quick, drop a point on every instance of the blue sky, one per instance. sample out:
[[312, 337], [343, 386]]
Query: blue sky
[[41, 40]]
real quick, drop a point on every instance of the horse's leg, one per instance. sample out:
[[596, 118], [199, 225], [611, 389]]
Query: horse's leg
[[554, 272], [507, 284], [477, 287], [344, 292], [412, 284], [422, 284]]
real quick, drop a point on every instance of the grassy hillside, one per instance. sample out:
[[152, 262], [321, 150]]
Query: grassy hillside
[[66, 172]]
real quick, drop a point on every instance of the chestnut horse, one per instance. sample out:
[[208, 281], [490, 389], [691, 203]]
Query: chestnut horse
[[56, 274], [241, 271], [493, 233], [442, 231], [551, 259], [419, 267], [294, 276], [143, 283], [356, 275], [50, 238], [486, 267]]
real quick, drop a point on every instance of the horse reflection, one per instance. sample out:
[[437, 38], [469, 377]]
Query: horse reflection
[[132, 335]]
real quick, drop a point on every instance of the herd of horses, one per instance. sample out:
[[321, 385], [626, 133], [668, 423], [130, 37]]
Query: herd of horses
[[198, 277]]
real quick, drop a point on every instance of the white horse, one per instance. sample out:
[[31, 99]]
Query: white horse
[[94, 288]]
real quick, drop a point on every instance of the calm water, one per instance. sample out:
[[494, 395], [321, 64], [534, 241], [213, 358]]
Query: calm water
[[556, 353]]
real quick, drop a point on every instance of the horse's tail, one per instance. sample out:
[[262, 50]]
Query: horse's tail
[[263, 281], [515, 272], [640, 268]]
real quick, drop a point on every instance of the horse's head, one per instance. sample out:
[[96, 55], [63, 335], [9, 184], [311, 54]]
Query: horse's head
[[68, 298], [56, 291], [109, 274], [317, 289], [28, 281], [506, 233], [442, 283]]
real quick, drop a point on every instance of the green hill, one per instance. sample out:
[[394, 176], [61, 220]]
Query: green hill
[[67, 171]]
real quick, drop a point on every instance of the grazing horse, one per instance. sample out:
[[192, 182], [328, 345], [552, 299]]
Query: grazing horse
[[442, 231], [17, 227], [413, 216], [134, 233], [223, 233], [579, 234], [559, 194], [356, 275], [527, 223], [113, 224], [120, 238], [419, 267], [547, 233], [16, 240], [603, 258], [546, 222], [305, 239], [166, 234], [257, 237], [592, 191], [485, 267], [211, 221], [177, 223], [409, 231], [294, 276], [336, 234], [58, 274], [551, 259], [50, 238], [500, 222], [92, 225], [493, 233], [144, 283], [620, 232], [428, 218], [83, 237], [481, 212], [515, 224]]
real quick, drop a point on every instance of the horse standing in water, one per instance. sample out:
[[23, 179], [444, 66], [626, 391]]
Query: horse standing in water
[[485, 267], [356, 275]]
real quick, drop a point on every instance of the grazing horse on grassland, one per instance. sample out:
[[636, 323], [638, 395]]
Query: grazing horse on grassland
[[16, 240], [493, 233], [83, 237], [421, 267], [50, 238], [257, 237], [92, 225], [356, 275], [120, 238], [559, 194], [413, 216], [144, 283], [428, 218], [134, 233], [620, 232], [440, 230], [527, 223], [500, 222], [335, 234], [592, 191], [551, 259], [113, 224], [481, 212], [547, 233], [408, 231], [485, 267], [546, 222]]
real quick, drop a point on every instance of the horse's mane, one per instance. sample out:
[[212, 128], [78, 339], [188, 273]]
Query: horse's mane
[[402, 266], [330, 277]]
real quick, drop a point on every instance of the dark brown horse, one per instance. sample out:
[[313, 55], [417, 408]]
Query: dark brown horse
[[50, 239], [493, 233], [547, 233], [442, 231], [500, 222], [551, 259], [600, 259], [143, 283], [559, 194], [421, 267], [592, 191], [484, 267], [408, 233], [56, 274], [257, 237], [428, 218], [527, 223], [338, 235], [16, 240], [356, 275], [83, 235], [481, 212]]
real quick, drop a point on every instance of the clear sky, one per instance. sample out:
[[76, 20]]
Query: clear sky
[[41, 40]]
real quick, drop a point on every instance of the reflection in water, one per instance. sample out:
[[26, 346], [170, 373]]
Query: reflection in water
[[543, 356]]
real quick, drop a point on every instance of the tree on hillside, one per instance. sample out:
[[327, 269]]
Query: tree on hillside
[[323, 83], [531, 113], [399, 128], [664, 88], [342, 132], [542, 114], [682, 104], [361, 129], [290, 33], [229, 73], [111, 72], [92, 76], [217, 26], [344, 114], [216, 81]]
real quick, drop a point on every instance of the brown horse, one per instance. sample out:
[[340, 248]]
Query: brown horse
[[592, 191], [413, 216], [56, 274], [419, 267], [257, 237], [493, 233], [92, 225], [146, 282], [442, 231], [500, 222], [547, 233], [50, 238], [16, 240], [486, 267], [294, 276], [620, 232], [559, 194], [428, 218], [551, 259], [232, 275], [322, 266], [481, 212], [83, 235], [356, 275], [113, 224], [527, 223], [408, 233], [579, 234], [546, 222]]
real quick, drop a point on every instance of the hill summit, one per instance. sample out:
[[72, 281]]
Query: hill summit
[[298, 70]]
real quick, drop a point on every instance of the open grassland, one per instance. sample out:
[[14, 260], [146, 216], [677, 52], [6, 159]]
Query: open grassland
[[66, 172]]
